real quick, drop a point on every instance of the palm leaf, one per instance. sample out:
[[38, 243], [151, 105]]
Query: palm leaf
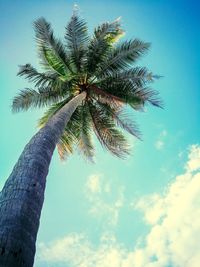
[[31, 98], [51, 49], [51, 111], [71, 135], [109, 137], [131, 94], [104, 36], [64, 146], [85, 142], [54, 62], [121, 118], [76, 38], [122, 56], [102, 96], [138, 75], [40, 79]]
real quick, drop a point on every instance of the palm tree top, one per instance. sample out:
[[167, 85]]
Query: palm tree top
[[103, 66]]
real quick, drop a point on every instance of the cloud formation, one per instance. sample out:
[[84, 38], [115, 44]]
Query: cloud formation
[[193, 163], [160, 142], [173, 238], [175, 219], [104, 207]]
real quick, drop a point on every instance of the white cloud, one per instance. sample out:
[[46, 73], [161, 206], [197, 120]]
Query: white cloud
[[175, 219], [193, 163], [164, 133], [77, 250], [102, 205], [173, 239], [160, 142], [93, 184]]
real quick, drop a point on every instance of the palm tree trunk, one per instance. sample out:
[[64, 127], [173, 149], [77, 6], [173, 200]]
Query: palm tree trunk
[[22, 197]]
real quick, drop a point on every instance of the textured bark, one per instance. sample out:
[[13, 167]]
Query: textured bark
[[22, 197]]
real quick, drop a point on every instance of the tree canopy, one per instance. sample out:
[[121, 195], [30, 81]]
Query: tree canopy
[[102, 65]]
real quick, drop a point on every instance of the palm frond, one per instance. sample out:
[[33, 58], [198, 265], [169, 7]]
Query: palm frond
[[65, 146], [138, 75], [104, 36], [40, 79], [122, 56], [31, 98], [51, 111], [85, 140], [147, 95], [109, 31], [109, 137], [102, 96], [77, 131], [122, 119], [51, 48], [53, 62], [71, 135], [133, 95], [76, 38]]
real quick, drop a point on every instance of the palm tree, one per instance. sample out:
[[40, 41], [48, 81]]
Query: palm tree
[[86, 84]]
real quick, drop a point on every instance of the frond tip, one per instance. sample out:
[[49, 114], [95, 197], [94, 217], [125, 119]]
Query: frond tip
[[40, 79]]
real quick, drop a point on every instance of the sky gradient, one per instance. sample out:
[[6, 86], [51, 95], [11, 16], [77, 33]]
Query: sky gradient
[[102, 211]]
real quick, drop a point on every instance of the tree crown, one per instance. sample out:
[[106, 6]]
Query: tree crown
[[102, 66]]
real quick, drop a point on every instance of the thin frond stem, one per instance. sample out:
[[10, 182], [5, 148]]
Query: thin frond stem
[[117, 101]]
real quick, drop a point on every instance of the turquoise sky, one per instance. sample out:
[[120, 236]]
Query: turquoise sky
[[86, 202]]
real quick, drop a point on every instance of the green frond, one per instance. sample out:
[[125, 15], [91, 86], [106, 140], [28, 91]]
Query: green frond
[[109, 31], [109, 137], [102, 96], [51, 48], [77, 133], [40, 79], [76, 39], [85, 144], [53, 62], [138, 75], [146, 95], [105, 35], [122, 56], [65, 147], [151, 96], [51, 111], [28, 98], [133, 95], [122, 119], [71, 135]]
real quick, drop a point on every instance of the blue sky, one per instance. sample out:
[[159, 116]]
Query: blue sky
[[105, 204]]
